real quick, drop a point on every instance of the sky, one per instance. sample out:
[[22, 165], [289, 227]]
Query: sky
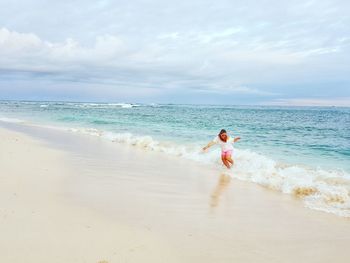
[[195, 51]]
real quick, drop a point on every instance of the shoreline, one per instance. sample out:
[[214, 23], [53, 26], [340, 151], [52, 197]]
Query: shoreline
[[200, 214], [325, 190]]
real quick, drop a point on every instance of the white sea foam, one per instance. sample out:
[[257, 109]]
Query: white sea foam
[[105, 105], [323, 190], [11, 120]]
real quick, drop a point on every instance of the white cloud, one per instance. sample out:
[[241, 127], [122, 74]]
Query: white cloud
[[12, 42], [26, 51]]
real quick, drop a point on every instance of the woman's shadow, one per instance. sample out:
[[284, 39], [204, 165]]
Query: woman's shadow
[[221, 186]]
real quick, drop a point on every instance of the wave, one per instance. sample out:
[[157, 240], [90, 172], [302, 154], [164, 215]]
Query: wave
[[11, 120], [106, 105], [324, 190], [80, 104]]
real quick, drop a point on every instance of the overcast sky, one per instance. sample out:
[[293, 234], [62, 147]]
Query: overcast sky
[[195, 51]]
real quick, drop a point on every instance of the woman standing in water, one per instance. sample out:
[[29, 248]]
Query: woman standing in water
[[226, 144]]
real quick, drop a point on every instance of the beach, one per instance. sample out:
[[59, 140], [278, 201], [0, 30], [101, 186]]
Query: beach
[[68, 197], [40, 223], [174, 131]]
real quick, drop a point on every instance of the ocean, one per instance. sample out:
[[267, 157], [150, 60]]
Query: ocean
[[304, 151]]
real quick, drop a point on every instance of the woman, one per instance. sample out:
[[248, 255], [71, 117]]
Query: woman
[[226, 144]]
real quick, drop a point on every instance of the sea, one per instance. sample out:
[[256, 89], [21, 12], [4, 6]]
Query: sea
[[301, 151]]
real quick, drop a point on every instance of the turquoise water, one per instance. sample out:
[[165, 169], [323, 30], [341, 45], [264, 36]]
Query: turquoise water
[[319, 137], [302, 151]]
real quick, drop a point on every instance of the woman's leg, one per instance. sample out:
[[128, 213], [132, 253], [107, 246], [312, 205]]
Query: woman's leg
[[229, 157], [230, 160], [225, 162]]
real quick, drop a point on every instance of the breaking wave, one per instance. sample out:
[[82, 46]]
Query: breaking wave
[[324, 190]]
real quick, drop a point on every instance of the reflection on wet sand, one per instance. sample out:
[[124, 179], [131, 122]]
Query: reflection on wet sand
[[222, 184]]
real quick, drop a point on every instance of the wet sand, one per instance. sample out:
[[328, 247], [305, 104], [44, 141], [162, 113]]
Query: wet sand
[[158, 206]]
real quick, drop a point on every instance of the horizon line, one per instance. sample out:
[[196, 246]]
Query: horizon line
[[172, 103]]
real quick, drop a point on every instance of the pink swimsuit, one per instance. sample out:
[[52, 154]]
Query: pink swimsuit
[[227, 153]]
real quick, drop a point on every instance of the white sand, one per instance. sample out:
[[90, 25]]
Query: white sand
[[104, 201], [39, 224]]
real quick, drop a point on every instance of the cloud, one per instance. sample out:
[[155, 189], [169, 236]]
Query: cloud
[[111, 59], [22, 51], [232, 48]]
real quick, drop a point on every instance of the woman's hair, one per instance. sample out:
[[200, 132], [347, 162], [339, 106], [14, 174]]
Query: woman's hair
[[222, 131]]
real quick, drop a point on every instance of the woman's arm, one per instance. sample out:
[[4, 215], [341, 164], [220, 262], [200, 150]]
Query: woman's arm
[[236, 139], [208, 145]]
